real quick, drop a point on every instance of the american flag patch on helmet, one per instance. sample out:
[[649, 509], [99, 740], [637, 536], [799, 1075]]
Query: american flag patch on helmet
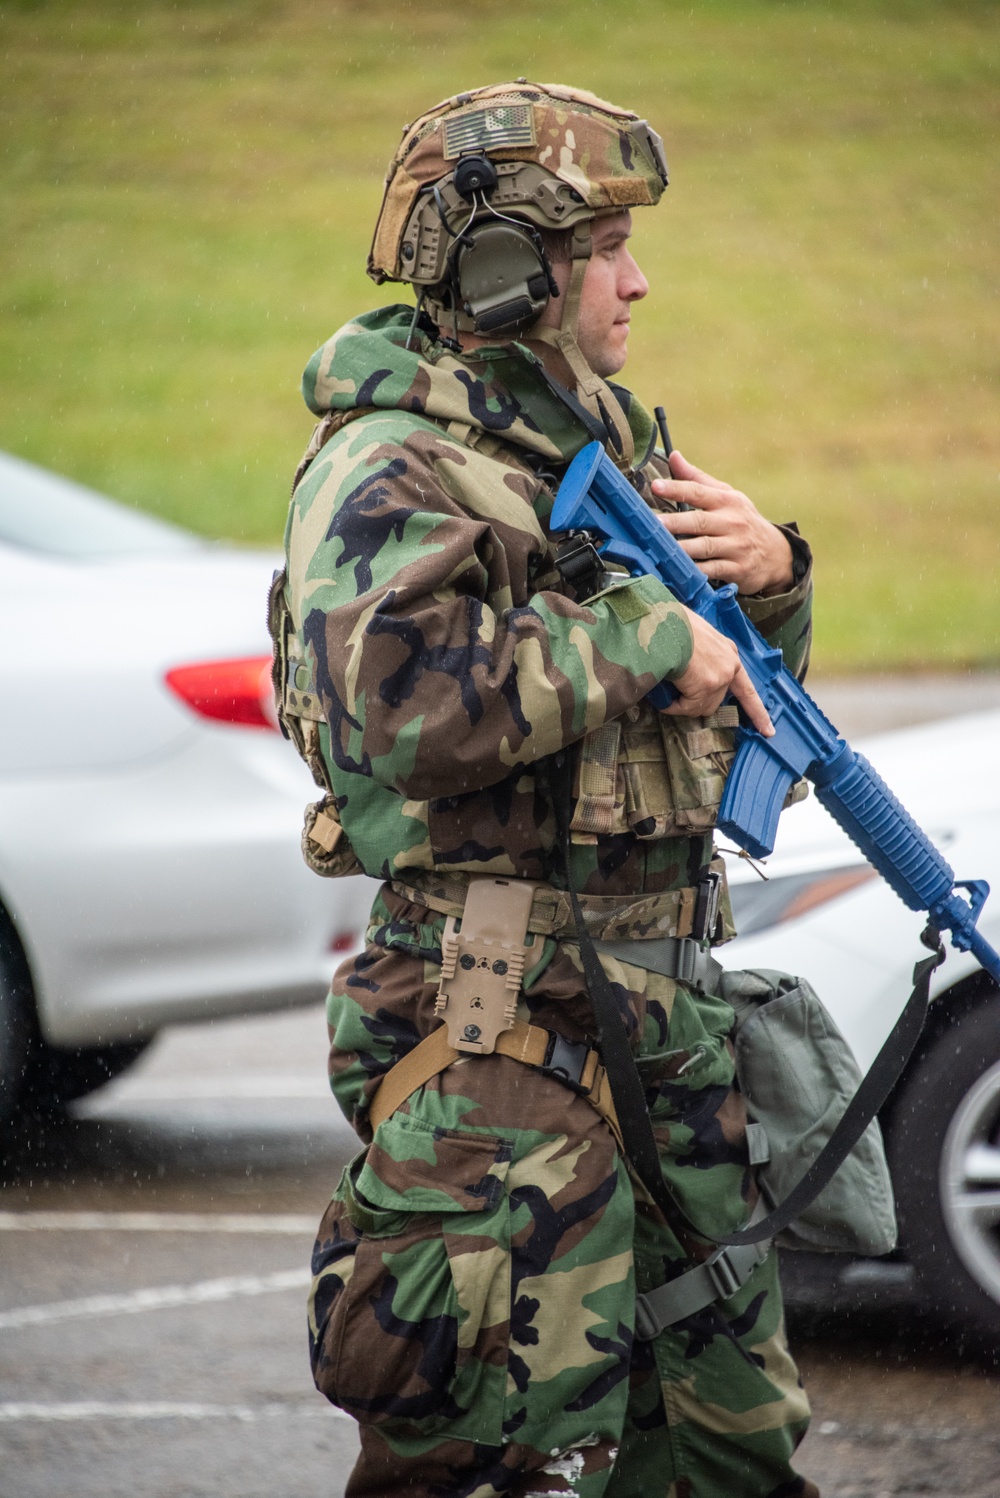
[[484, 129]]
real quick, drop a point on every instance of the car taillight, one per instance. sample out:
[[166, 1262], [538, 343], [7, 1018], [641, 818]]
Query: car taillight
[[233, 691]]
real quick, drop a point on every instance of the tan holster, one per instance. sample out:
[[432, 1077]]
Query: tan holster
[[482, 963]]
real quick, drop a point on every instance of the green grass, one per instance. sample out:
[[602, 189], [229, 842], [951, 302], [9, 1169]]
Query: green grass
[[188, 192]]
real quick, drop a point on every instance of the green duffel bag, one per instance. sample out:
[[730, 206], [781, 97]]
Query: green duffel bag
[[798, 1075]]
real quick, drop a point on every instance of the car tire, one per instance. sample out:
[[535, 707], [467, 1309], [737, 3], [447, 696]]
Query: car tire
[[15, 1027], [944, 1152], [55, 1076]]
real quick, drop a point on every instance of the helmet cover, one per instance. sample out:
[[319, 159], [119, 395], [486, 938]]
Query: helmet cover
[[562, 156]]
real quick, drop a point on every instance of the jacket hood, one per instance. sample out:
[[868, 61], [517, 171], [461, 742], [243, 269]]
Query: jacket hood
[[503, 390]]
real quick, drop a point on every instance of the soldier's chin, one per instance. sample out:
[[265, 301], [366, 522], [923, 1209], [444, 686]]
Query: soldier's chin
[[610, 358]]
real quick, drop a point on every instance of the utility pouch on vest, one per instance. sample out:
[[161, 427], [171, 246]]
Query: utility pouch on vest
[[798, 1074], [675, 771], [482, 963], [325, 845], [655, 775], [651, 775]]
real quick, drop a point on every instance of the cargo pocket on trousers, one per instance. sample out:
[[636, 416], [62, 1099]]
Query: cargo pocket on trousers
[[419, 1336]]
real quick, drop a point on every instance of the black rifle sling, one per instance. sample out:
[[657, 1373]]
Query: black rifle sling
[[623, 1075], [630, 1096], [879, 1080]]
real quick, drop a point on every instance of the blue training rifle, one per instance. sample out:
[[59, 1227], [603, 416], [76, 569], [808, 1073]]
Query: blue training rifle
[[594, 497]]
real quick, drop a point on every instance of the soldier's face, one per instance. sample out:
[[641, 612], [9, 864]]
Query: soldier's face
[[612, 283]]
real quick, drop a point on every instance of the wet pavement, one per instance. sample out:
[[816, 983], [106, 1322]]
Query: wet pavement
[[153, 1270], [163, 1353], [154, 1253]]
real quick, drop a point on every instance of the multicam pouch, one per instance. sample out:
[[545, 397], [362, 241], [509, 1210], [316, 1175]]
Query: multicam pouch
[[656, 775], [325, 846]]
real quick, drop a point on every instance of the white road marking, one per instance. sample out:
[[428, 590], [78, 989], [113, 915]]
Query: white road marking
[[94, 1409], [157, 1298], [157, 1222]]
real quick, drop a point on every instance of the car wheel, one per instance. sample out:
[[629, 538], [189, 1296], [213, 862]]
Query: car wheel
[[54, 1076], [15, 1028], [944, 1150]]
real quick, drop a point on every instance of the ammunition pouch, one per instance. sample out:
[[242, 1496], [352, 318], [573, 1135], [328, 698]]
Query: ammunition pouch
[[655, 775]]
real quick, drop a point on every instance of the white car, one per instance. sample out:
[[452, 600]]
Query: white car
[[824, 914], [150, 812]]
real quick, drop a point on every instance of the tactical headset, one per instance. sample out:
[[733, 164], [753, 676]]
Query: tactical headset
[[469, 194], [481, 268], [500, 274]]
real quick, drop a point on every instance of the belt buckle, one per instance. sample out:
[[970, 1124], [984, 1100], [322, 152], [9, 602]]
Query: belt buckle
[[725, 1278], [687, 953], [706, 909], [565, 1060], [692, 963], [647, 1325]]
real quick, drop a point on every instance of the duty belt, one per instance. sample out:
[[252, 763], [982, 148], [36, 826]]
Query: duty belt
[[610, 918], [647, 931], [483, 957]]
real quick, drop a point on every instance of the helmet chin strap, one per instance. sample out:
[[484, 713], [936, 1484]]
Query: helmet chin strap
[[591, 390]]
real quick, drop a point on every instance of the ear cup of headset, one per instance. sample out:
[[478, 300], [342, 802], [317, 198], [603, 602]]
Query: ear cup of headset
[[503, 282]]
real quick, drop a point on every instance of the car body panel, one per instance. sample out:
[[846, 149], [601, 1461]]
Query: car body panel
[[858, 950], [149, 856], [170, 889], [85, 688]]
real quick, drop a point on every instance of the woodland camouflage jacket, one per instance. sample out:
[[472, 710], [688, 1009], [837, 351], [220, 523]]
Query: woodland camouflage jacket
[[435, 655]]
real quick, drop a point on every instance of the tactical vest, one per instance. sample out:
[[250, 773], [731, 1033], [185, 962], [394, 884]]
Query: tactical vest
[[645, 773]]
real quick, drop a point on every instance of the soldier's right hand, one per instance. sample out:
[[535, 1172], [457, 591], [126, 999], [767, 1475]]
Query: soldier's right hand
[[714, 670]]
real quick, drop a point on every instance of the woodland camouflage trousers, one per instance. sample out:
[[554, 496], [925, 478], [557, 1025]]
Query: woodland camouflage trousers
[[475, 1275]]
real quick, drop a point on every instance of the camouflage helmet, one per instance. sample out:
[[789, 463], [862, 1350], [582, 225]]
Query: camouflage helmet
[[541, 156]]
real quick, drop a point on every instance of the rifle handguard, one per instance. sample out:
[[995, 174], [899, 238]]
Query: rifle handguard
[[595, 497]]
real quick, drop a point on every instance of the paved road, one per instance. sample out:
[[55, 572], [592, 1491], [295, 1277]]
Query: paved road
[[163, 1354], [154, 1250], [155, 1255]]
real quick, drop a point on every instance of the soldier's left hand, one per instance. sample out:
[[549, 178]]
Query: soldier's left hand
[[723, 532]]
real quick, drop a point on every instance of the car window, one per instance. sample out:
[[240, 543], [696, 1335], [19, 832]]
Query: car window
[[42, 512]]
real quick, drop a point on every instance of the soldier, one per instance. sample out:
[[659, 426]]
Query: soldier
[[476, 1274]]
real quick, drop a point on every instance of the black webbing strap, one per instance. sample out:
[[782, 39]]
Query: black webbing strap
[[881, 1078], [630, 1097], [623, 1075]]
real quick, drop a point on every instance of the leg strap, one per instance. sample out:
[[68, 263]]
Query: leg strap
[[570, 1062], [679, 957], [718, 1278]]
